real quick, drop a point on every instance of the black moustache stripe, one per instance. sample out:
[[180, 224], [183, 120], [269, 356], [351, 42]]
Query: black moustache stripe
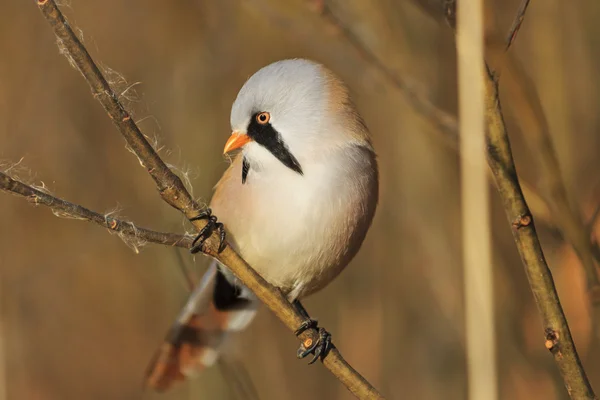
[[270, 139], [245, 169]]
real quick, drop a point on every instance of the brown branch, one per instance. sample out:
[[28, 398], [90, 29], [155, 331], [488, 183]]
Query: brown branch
[[592, 222], [526, 105], [174, 193], [65, 209], [516, 25], [443, 120], [557, 334], [558, 338], [446, 122]]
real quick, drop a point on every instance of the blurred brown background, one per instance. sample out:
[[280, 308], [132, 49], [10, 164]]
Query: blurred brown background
[[82, 313]]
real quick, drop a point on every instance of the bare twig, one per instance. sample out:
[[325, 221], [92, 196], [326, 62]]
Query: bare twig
[[558, 338], [189, 278], [446, 122], [174, 193], [527, 107], [65, 209], [516, 25], [443, 120]]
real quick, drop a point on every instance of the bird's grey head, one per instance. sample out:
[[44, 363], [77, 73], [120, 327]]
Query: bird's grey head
[[288, 112]]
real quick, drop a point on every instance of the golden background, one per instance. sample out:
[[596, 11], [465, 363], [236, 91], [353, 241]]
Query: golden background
[[82, 313]]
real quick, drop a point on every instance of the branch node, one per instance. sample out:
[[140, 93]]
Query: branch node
[[521, 221], [112, 223], [551, 343]]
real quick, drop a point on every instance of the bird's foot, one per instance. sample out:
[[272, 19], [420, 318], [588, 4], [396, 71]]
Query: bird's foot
[[211, 225], [321, 347], [318, 349]]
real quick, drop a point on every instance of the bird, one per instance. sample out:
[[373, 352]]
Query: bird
[[296, 203]]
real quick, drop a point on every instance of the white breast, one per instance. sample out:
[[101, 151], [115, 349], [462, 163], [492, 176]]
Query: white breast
[[299, 231]]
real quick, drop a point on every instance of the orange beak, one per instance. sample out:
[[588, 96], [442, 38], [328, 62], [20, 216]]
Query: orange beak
[[235, 141]]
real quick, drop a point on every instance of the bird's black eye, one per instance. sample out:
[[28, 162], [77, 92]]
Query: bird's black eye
[[263, 118]]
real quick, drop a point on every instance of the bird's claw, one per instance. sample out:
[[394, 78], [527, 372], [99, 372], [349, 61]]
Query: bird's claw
[[320, 348], [306, 325], [211, 225]]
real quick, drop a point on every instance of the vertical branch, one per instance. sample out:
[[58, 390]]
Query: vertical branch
[[527, 107], [516, 25], [558, 338], [478, 281]]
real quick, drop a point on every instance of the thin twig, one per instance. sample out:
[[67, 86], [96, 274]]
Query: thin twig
[[65, 209], [516, 25], [526, 105], [446, 122], [443, 120], [189, 279], [174, 193], [558, 338]]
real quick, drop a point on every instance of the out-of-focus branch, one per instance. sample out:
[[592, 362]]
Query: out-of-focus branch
[[517, 22], [65, 209], [475, 205], [446, 122], [443, 120], [558, 338], [526, 105], [174, 193]]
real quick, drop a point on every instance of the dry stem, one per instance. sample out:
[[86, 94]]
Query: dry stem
[[517, 22], [445, 122], [476, 228], [558, 338], [69, 210], [568, 217], [174, 193], [557, 334]]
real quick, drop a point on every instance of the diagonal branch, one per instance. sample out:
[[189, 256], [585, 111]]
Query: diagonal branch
[[558, 338], [446, 122], [527, 107], [63, 208], [536, 264], [174, 193], [516, 25]]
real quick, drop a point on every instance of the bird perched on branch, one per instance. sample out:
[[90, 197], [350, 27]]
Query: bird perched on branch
[[296, 202]]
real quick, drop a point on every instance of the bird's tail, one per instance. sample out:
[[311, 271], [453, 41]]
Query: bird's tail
[[215, 308]]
